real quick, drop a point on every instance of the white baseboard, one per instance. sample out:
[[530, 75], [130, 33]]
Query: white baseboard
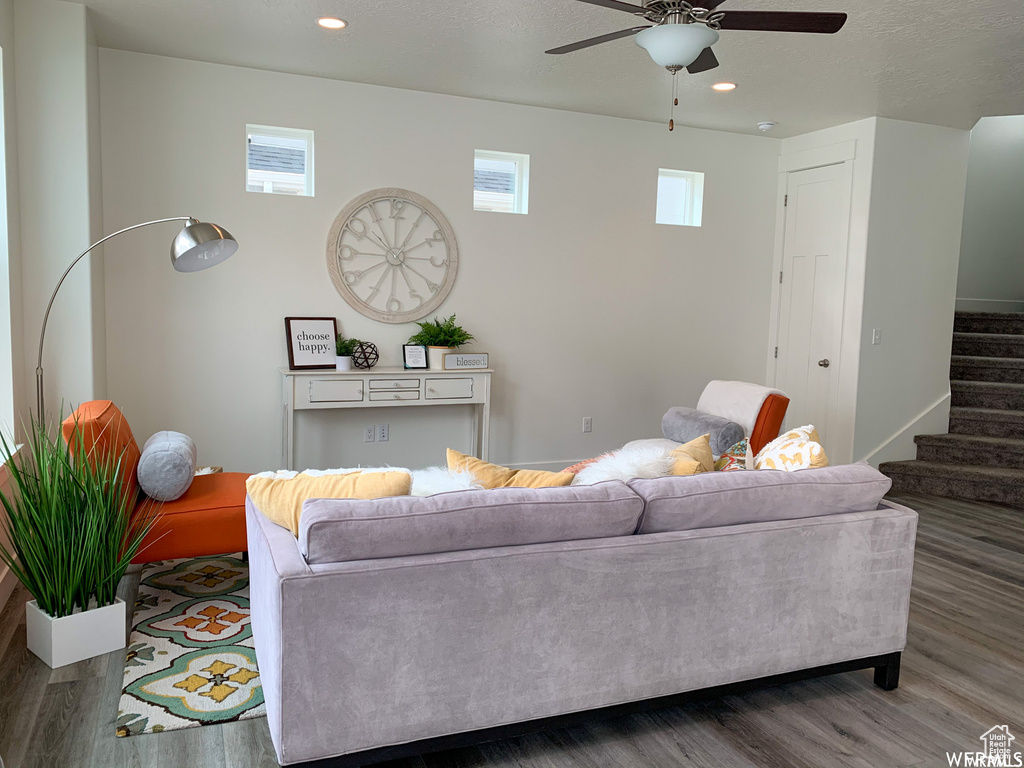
[[989, 305], [900, 446]]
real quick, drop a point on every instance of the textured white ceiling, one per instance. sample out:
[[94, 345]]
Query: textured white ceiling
[[921, 60]]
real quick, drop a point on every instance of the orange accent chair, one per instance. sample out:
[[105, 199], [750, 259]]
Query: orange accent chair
[[759, 410], [208, 519]]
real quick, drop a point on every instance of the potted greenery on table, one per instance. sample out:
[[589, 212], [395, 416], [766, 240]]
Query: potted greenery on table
[[72, 529], [439, 337], [344, 348]]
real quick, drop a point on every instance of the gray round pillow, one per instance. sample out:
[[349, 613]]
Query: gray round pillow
[[167, 465], [685, 424]]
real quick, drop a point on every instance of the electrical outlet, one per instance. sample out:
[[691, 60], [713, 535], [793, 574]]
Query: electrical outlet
[[369, 434], [588, 424], [876, 336], [382, 433]]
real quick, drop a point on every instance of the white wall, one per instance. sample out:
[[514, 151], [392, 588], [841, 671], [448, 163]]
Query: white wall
[[917, 196], [58, 149], [991, 274], [587, 307]]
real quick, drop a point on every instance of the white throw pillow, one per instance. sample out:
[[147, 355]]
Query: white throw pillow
[[628, 463]]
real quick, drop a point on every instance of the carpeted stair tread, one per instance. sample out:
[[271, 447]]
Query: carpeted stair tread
[[988, 394], [974, 450], [987, 414], [998, 484], [989, 322], [993, 422], [980, 368], [989, 344]]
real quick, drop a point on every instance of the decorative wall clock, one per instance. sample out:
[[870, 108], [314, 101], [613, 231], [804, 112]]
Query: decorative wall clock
[[392, 255]]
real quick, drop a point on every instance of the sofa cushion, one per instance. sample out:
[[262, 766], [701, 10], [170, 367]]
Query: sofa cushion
[[337, 530], [715, 499]]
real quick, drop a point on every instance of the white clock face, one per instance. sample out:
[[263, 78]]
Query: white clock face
[[392, 255]]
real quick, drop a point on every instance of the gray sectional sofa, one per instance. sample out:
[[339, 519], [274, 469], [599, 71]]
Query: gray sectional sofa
[[405, 625]]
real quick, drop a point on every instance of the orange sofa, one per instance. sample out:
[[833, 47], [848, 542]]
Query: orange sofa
[[209, 519]]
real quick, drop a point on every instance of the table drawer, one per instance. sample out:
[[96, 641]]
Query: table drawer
[[335, 390], [404, 394], [449, 389], [394, 383]]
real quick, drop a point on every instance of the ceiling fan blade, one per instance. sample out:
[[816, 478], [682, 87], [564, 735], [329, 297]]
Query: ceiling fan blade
[[618, 6], [705, 60], [784, 21], [596, 40]]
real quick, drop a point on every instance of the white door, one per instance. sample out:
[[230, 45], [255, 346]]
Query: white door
[[813, 284]]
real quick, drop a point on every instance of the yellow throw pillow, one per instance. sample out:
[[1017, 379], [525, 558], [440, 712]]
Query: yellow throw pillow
[[693, 457], [280, 499], [496, 476]]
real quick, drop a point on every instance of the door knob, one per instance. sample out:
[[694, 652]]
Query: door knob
[[824, 363]]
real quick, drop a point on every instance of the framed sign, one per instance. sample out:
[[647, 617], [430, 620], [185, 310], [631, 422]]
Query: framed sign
[[415, 355], [310, 342]]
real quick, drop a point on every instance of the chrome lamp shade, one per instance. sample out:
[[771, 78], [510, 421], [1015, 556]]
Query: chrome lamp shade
[[201, 245]]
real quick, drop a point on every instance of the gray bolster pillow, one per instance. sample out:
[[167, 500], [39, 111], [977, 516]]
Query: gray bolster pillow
[[684, 424], [167, 465]]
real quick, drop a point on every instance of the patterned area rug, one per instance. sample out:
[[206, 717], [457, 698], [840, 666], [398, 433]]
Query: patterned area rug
[[190, 659]]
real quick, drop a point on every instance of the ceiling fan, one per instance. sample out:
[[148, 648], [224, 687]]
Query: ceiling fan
[[680, 35]]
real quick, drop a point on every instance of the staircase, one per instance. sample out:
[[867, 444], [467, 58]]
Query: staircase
[[982, 457]]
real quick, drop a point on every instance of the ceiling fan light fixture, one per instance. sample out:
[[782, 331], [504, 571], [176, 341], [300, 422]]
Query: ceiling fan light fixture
[[676, 45]]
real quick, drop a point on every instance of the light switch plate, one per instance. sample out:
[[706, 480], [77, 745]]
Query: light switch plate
[[876, 336]]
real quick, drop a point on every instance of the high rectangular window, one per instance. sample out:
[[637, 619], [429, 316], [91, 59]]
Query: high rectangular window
[[278, 160], [501, 181], [680, 197]]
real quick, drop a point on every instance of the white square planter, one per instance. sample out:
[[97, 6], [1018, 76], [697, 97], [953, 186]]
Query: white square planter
[[79, 636]]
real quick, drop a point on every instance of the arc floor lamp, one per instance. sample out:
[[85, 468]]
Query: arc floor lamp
[[198, 246]]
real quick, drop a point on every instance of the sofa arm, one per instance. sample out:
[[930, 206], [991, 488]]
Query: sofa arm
[[274, 559]]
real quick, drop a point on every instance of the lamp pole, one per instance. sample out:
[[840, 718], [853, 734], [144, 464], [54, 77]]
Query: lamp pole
[[201, 247]]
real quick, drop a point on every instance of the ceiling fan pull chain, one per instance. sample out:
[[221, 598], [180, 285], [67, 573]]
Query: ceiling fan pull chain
[[675, 101]]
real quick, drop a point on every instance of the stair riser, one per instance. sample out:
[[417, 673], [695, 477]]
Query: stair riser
[[1007, 346], [975, 457], [985, 373], [977, 490], [964, 426], [988, 325], [1004, 401]]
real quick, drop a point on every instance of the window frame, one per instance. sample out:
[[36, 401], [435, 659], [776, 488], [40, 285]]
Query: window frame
[[279, 132], [693, 204], [521, 178]]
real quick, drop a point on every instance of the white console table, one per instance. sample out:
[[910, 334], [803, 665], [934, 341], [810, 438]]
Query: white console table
[[385, 388]]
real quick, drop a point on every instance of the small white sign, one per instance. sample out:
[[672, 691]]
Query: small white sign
[[458, 361]]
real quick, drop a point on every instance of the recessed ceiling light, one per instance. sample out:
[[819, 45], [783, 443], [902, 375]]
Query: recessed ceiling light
[[329, 22], [724, 86]]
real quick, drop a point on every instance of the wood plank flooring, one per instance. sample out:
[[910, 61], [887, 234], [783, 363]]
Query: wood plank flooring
[[963, 672]]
